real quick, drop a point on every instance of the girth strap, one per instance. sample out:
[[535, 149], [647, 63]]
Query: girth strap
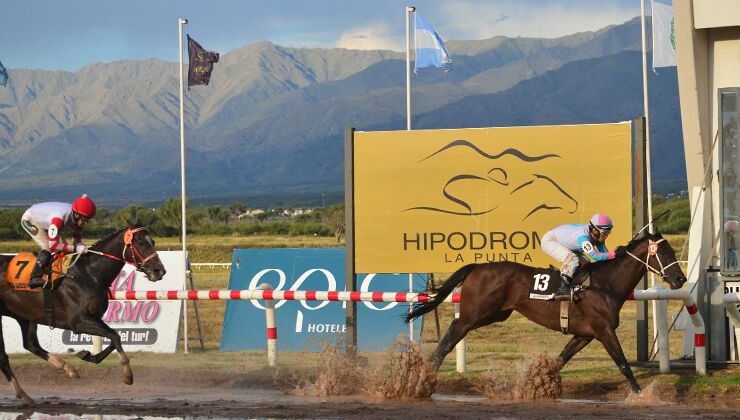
[[564, 305], [49, 306]]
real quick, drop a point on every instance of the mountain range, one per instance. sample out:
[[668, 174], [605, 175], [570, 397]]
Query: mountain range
[[270, 126]]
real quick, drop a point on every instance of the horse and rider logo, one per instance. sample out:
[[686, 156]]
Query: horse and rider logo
[[471, 194]]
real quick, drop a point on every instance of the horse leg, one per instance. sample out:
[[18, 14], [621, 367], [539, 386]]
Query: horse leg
[[609, 339], [459, 328], [96, 326], [9, 376], [575, 345], [31, 343]]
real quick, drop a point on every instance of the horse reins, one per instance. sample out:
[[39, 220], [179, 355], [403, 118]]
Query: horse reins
[[653, 251], [128, 240]]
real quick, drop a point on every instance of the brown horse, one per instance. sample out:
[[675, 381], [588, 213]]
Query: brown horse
[[490, 292], [80, 301]]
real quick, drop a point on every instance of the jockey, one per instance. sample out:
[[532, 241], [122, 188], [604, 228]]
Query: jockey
[[560, 243], [46, 222]]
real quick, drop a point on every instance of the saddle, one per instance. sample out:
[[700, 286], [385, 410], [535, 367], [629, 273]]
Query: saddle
[[21, 267]]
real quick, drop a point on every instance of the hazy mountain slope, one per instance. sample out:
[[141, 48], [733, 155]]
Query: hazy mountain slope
[[272, 119]]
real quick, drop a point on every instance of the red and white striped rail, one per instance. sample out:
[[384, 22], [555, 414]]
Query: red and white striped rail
[[661, 294], [264, 292], [731, 301], [269, 296], [319, 295]]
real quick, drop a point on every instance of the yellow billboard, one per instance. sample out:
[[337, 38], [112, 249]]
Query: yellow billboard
[[434, 200]]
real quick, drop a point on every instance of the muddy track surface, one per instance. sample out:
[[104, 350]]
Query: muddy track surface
[[202, 394]]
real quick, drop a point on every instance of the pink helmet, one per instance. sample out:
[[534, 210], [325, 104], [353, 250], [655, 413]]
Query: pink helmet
[[732, 225], [601, 222], [84, 206]]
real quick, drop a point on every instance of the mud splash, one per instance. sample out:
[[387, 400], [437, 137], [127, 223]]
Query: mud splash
[[408, 375], [339, 373], [650, 395], [539, 380]]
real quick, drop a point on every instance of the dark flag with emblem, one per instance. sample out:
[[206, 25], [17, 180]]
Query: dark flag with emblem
[[3, 75], [201, 63]]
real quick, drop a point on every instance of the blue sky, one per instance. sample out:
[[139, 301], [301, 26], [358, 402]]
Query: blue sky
[[67, 34]]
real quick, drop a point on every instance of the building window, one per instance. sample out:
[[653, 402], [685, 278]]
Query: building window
[[729, 137]]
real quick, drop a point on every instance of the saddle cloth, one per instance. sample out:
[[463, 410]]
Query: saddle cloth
[[21, 267], [543, 284]]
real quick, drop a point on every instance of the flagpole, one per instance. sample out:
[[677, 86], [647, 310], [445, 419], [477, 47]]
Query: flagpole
[[409, 11], [182, 23], [647, 150]]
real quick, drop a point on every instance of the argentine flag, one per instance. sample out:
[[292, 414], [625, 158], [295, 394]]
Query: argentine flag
[[430, 50]]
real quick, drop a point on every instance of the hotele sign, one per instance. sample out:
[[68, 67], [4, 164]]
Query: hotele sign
[[143, 325], [305, 325]]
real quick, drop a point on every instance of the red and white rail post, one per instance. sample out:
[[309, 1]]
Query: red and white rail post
[[461, 347], [271, 327], [660, 294]]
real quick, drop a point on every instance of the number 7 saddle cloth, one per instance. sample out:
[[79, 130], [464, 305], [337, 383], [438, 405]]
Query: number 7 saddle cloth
[[21, 267]]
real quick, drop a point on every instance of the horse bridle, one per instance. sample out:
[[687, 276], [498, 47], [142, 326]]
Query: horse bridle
[[653, 251], [128, 240]]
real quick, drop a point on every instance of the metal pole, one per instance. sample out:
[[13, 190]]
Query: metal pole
[[411, 307], [349, 239], [649, 188], [181, 23], [409, 10]]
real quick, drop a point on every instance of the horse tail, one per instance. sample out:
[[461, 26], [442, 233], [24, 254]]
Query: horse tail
[[420, 308]]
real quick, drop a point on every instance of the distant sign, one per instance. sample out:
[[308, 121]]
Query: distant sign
[[144, 325], [304, 325]]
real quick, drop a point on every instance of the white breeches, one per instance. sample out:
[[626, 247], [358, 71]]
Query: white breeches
[[37, 234], [567, 258]]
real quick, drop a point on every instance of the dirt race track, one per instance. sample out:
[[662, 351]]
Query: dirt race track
[[200, 394]]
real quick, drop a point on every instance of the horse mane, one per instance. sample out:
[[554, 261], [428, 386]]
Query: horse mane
[[641, 237], [110, 235], [630, 246]]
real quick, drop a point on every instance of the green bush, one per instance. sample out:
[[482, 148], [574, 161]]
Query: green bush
[[679, 218]]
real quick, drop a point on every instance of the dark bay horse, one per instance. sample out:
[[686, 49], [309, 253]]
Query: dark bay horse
[[490, 292], [80, 301]]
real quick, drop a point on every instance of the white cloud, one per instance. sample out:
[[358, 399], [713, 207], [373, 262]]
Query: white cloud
[[370, 37], [464, 19]]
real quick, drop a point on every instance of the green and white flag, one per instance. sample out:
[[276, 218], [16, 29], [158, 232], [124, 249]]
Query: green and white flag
[[664, 35]]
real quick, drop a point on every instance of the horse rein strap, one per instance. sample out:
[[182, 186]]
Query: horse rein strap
[[653, 251], [128, 241]]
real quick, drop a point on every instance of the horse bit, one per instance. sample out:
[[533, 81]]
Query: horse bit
[[653, 251]]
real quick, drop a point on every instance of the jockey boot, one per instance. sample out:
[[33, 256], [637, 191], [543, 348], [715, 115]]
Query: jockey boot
[[564, 292], [38, 270]]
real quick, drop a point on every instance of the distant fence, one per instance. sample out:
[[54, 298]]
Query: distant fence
[[211, 265]]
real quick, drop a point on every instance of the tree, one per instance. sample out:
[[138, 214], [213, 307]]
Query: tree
[[171, 214], [333, 218]]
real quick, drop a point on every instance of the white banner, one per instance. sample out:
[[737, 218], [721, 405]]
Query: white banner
[[664, 36], [143, 325]]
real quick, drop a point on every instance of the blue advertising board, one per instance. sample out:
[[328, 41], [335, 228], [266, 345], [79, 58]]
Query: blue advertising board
[[305, 325]]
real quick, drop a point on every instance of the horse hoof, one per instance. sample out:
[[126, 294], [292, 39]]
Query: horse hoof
[[27, 400], [84, 354], [128, 380], [71, 372]]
